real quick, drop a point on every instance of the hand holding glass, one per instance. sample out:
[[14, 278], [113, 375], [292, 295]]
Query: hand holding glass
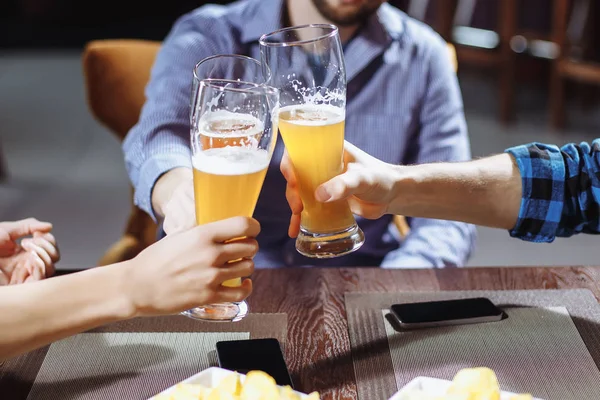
[[233, 134], [306, 64]]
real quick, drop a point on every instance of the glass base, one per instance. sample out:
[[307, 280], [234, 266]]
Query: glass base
[[329, 245], [219, 312]]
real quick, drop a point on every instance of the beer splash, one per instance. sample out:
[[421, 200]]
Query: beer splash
[[319, 94]]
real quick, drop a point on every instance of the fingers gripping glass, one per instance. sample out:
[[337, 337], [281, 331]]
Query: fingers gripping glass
[[233, 135], [306, 64]]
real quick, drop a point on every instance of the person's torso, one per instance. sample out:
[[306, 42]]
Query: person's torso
[[384, 96]]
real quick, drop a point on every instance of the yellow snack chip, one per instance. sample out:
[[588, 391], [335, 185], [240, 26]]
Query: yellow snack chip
[[216, 394], [230, 384], [522, 397], [483, 378], [477, 383], [287, 393], [259, 386], [469, 384]]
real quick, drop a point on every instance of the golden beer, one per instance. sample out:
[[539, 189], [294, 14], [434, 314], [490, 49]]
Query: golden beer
[[227, 182], [314, 138], [230, 170]]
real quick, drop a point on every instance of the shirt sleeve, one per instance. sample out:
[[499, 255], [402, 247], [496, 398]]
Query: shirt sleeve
[[159, 141], [561, 190], [443, 137]]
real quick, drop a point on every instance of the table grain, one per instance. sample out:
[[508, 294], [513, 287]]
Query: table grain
[[318, 346]]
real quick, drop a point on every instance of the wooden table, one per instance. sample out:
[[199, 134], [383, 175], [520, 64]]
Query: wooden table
[[318, 347]]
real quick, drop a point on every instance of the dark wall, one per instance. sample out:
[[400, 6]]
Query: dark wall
[[72, 23]]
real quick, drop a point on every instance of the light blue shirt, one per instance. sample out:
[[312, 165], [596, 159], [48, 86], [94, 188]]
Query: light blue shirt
[[404, 107]]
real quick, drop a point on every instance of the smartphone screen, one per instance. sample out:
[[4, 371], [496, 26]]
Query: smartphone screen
[[436, 313], [254, 354]]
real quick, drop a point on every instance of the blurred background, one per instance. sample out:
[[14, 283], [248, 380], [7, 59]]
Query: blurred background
[[527, 68]]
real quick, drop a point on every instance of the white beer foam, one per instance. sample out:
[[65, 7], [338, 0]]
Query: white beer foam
[[312, 115], [231, 160], [228, 121]]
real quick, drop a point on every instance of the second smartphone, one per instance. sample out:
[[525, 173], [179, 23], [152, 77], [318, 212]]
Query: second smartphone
[[447, 312]]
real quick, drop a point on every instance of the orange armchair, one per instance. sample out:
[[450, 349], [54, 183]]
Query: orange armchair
[[116, 73]]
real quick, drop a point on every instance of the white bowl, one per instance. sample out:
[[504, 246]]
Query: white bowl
[[210, 378], [433, 387]]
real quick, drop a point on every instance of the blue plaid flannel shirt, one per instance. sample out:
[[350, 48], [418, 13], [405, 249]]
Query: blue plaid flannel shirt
[[561, 190]]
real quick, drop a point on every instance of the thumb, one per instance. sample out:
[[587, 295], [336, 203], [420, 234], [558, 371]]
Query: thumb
[[353, 154], [26, 227], [341, 187]]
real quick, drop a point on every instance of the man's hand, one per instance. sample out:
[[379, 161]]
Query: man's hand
[[367, 183], [22, 258], [173, 200]]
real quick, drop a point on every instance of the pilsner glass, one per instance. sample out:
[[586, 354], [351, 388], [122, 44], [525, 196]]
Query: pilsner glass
[[306, 64], [233, 135]]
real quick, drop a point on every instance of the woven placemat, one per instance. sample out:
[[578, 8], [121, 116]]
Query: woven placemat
[[129, 360], [107, 366], [526, 350]]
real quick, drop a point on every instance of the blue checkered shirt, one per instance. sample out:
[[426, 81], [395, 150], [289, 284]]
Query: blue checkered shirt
[[561, 190]]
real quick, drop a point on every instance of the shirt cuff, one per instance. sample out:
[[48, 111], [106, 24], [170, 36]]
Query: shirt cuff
[[543, 181], [403, 260], [151, 170]]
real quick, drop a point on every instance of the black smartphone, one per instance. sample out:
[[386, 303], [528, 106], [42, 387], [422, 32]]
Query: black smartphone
[[448, 312], [254, 354]]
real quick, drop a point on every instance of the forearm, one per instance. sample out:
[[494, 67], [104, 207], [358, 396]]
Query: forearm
[[78, 302], [160, 141], [483, 192]]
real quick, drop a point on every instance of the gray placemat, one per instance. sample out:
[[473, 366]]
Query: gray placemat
[[124, 365], [18, 374], [532, 346], [535, 350]]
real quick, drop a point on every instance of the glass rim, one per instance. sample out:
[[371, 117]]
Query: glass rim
[[216, 56], [252, 86], [263, 39]]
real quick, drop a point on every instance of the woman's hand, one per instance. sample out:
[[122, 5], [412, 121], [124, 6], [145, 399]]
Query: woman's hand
[[187, 269], [28, 251]]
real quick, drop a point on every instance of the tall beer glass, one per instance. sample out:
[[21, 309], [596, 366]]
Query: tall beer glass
[[233, 135], [306, 64]]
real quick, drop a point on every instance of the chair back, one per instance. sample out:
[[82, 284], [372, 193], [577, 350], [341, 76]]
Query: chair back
[[116, 73]]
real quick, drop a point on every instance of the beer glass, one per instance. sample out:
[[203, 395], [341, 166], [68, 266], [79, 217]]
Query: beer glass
[[306, 64], [226, 66], [233, 135]]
